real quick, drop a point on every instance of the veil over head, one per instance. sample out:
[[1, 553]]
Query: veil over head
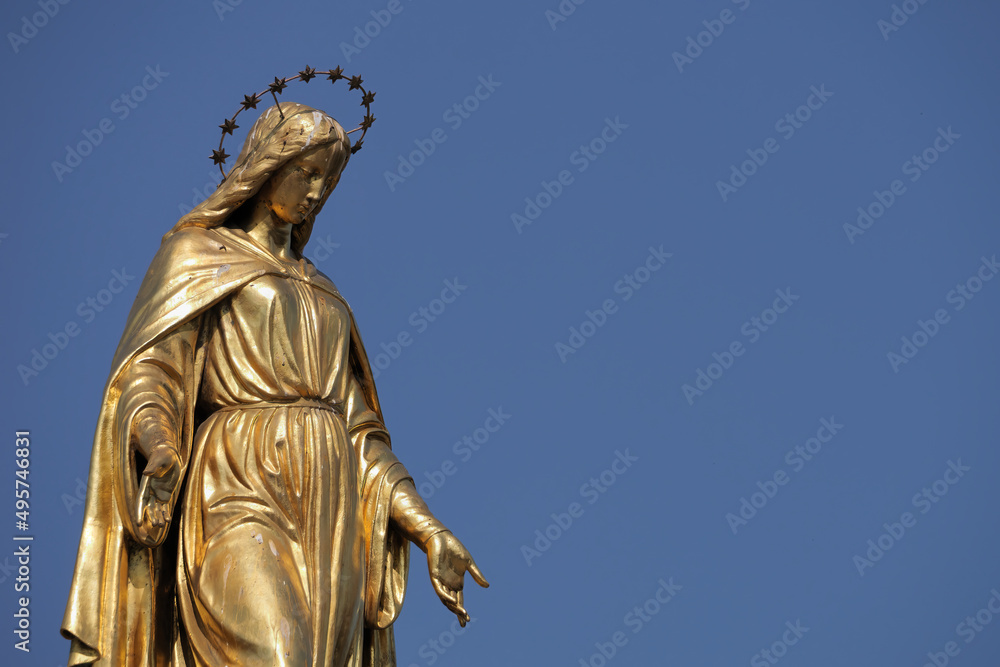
[[272, 141]]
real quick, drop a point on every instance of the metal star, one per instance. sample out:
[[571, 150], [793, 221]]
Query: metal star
[[355, 82], [368, 98], [307, 73], [278, 85], [367, 122], [219, 157], [229, 126], [250, 102], [336, 74]]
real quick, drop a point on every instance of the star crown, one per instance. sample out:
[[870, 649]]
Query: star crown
[[250, 102]]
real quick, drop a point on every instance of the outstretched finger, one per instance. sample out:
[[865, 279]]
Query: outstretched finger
[[477, 575]]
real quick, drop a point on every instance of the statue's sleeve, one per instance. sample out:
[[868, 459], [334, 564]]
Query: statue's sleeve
[[380, 473], [407, 507], [154, 397]]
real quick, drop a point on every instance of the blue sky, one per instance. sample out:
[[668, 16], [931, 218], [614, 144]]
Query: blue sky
[[649, 213]]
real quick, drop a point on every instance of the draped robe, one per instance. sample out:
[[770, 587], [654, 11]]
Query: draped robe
[[280, 549]]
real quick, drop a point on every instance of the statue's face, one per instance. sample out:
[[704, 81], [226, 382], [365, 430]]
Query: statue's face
[[300, 187]]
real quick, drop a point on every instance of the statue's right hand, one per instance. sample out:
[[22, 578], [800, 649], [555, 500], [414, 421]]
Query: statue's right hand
[[157, 493]]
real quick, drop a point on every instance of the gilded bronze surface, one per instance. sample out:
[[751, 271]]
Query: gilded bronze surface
[[245, 506]]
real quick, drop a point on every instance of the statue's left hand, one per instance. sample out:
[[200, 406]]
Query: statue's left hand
[[447, 561]]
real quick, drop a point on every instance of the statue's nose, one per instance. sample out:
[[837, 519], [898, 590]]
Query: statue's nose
[[315, 192]]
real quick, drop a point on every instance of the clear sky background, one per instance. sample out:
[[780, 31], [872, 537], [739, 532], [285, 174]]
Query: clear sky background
[[681, 520]]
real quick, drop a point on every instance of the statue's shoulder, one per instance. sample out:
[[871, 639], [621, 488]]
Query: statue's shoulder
[[194, 248], [193, 239]]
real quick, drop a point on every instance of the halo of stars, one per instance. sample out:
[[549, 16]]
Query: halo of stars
[[219, 156]]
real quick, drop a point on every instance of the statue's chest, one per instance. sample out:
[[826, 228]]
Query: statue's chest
[[298, 307]]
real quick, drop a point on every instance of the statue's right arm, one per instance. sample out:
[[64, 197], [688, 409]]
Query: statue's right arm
[[161, 476], [153, 408]]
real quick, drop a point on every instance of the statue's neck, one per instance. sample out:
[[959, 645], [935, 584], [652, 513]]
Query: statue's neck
[[269, 232]]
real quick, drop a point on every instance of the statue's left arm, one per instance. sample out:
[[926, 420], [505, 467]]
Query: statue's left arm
[[409, 515]]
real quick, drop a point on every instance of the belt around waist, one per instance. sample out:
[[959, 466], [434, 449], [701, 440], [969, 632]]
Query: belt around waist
[[291, 403]]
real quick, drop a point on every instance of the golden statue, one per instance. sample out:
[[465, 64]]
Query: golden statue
[[244, 506]]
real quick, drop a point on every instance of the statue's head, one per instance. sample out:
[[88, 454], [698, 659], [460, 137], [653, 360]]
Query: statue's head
[[292, 159]]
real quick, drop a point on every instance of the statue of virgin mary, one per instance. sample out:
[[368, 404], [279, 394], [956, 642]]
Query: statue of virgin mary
[[244, 505]]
